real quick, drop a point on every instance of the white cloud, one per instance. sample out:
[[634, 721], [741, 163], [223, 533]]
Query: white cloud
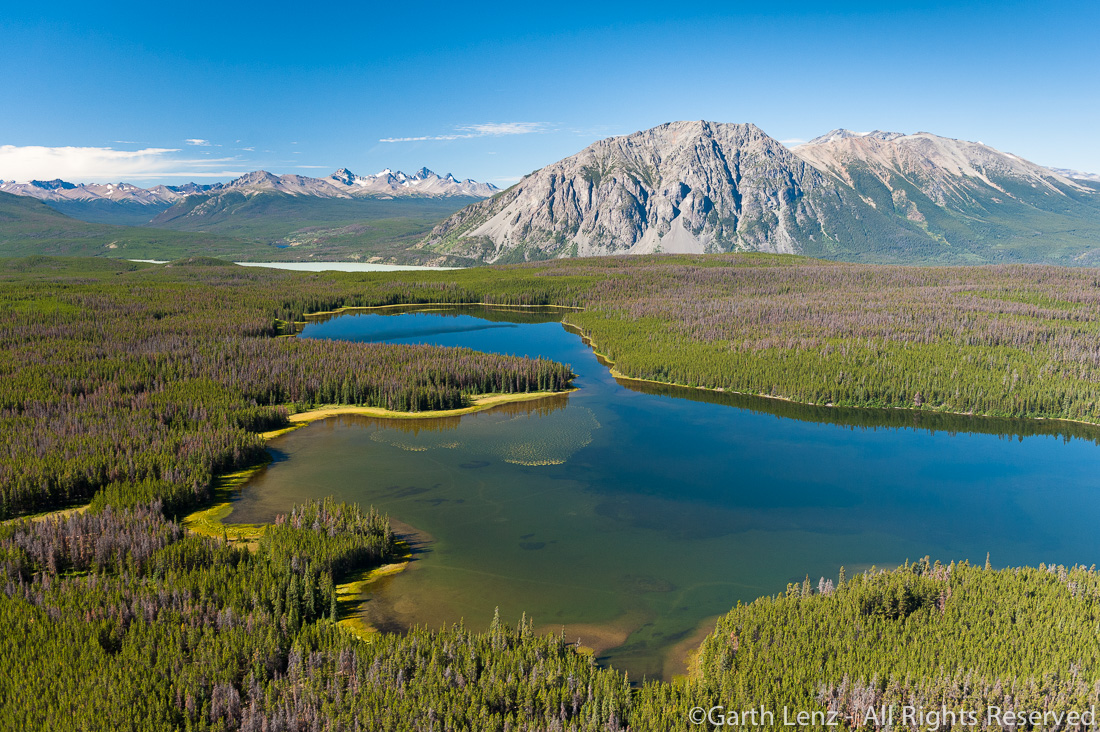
[[196, 142], [104, 164], [487, 129], [504, 128], [793, 142]]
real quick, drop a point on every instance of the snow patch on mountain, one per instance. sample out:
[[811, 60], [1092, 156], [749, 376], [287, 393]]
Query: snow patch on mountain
[[341, 184]]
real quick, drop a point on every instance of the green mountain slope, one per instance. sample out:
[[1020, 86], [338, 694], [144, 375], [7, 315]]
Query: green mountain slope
[[981, 204], [302, 227], [262, 227], [29, 227], [124, 213]]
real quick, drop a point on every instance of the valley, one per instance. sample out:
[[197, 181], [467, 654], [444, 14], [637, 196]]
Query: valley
[[600, 534]]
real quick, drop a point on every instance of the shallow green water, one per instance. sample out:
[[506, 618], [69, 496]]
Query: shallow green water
[[633, 516]]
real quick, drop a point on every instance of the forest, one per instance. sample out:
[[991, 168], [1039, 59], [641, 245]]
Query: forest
[[118, 620], [128, 388], [132, 390]]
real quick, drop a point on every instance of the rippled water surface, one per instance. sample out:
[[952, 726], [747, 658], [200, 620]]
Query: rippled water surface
[[633, 514]]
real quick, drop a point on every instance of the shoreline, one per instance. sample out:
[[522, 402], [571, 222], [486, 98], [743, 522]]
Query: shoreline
[[350, 593], [210, 520], [347, 308], [615, 373], [480, 403]]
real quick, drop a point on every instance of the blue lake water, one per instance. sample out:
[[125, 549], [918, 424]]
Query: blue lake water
[[632, 514]]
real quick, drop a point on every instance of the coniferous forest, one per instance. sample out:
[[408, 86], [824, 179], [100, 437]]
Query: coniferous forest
[[128, 388]]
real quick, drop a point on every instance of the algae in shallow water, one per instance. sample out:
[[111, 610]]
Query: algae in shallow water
[[551, 440]]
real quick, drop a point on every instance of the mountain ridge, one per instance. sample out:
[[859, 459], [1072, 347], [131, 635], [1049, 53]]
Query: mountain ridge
[[699, 186], [341, 184]]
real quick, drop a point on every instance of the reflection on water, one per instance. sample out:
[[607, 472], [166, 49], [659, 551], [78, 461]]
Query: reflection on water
[[633, 513], [550, 438]]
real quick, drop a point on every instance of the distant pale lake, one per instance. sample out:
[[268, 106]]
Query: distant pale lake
[[632, 515], [322, 266]]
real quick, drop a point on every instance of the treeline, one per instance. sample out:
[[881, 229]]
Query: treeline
[[1013, 341], [337, 536]]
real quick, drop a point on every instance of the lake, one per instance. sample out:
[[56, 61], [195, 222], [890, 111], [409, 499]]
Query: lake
[[324, 266], [632, 514]]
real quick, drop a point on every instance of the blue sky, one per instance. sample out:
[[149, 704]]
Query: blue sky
[[96, 93]]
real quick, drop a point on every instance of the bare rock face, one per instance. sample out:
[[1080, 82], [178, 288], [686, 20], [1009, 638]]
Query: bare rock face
[[680, 187], [345, 184], [423, 182], [59, 190], [710, 187], [948, 172]]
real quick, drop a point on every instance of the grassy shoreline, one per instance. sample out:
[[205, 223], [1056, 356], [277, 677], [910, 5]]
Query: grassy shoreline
[[210, 520], [479, 403], [351, 593]]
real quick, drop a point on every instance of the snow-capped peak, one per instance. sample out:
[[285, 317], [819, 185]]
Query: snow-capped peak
[[843, 134], [341, 184]]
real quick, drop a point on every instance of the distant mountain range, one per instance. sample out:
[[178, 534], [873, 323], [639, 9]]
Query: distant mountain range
[[341, 184], [709, 187], [257, 216], [885, 197]]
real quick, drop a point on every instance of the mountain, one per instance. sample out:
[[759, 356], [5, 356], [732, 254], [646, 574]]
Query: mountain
[[421, 183], [679, 187], [1077, 174], [948, 172], [343, 216], [360, 230], [302, 226], [341, 184], [705, 186], [30, 227], [985, 204], [59, 190], [842, 134]]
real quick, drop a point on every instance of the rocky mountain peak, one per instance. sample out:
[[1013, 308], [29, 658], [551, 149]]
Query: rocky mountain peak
[[687, 186], [701, 186], [52, 185], [344, 176], [945, 170], [843, 134], [255, 178]]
